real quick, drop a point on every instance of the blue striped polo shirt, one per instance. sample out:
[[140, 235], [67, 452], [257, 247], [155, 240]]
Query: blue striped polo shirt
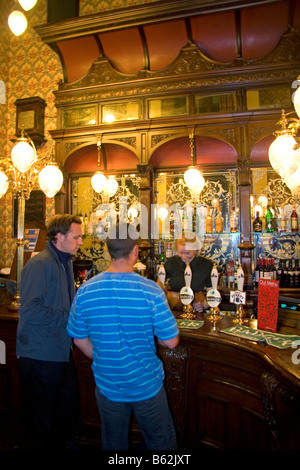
[[120, 312]]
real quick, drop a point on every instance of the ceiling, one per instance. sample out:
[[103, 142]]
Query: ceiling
[[148, 41], [150, 36]]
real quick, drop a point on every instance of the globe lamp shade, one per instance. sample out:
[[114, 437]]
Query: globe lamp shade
[[293, 181], [23, 155], [98, 181], [27, 4], [50, 180], [194, 180], [297, 101], [111, 187], [17, 22], [283, 158]]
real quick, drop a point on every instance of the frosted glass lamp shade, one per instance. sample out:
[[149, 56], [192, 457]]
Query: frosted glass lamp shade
[[50, 179], [23, 155], [98, 181], [27, 4], [3, 183], [17, 22], [293, 181], [283, 158], [194, 180], [297, 101], [111, 187]]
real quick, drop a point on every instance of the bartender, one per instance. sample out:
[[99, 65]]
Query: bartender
[[188, 248]]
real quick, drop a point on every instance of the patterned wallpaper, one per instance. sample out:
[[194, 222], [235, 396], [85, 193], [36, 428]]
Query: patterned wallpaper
[[28, 67]]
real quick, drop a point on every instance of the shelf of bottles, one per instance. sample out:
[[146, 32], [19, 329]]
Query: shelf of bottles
[[276, 234], [212, 215]]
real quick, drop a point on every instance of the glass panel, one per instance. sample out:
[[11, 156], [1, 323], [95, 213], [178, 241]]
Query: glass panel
[[100, 211], [177, 209], [120, 112], [167, 107], [277, 247], [223, 103], [82, 116], [269, 98]]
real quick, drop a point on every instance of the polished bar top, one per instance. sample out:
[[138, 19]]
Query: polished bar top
[[280, 359]]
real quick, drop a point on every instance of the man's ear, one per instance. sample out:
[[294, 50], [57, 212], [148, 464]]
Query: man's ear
[[135, 250]]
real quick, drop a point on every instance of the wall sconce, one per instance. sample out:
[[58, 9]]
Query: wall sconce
[[17, 22], [23, 171], [192, 177]]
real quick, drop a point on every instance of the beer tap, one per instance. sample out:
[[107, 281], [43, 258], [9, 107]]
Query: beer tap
[[186, 295]]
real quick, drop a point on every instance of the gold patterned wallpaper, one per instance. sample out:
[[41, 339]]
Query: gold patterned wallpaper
[[28, 67]]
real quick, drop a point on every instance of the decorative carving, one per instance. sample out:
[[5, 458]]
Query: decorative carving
[[273, 392], [69, 146]]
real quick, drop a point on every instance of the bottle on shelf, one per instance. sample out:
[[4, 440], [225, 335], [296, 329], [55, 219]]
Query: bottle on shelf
[[208, 222], [185, 221], [286, 280], [279, 273], [256, 272], [219, 223], [282, 221], [257, 223], [269, 220], [233, 221], [195, 221], [294, 220]]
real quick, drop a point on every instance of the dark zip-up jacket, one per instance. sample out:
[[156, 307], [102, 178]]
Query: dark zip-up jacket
[[45, 307]]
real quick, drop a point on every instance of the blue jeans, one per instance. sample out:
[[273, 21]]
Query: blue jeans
[[153, 416]]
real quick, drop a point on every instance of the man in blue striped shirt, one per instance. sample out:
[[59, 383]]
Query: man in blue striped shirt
[[113, 320]]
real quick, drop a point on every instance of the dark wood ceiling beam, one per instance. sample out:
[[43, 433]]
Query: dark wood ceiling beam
[[138, 15]]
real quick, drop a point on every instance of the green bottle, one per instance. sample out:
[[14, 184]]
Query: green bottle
[[269, 220]]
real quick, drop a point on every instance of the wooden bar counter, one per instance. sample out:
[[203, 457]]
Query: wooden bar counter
[[225, 392]]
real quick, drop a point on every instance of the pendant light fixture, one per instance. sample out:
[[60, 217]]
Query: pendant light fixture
[[283, 153], [98, 180], [192, 177]]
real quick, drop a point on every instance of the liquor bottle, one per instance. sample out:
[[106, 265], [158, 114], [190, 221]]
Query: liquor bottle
[[273, 269], [185, 221], [195, 220], [233, 221], [279, 273], [208, 222], [269, 220], [294, 220], [219, 223], [282, 221], [257, 224]]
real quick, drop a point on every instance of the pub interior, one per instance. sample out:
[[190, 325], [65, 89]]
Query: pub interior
[[141, 92]]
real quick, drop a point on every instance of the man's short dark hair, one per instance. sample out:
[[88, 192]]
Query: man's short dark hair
[[121, 240], [61, 223]]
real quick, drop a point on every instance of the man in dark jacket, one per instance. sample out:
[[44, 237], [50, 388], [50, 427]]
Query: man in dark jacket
[[48, 376]]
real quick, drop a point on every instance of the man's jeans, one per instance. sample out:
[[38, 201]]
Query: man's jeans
[[153, 416]]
